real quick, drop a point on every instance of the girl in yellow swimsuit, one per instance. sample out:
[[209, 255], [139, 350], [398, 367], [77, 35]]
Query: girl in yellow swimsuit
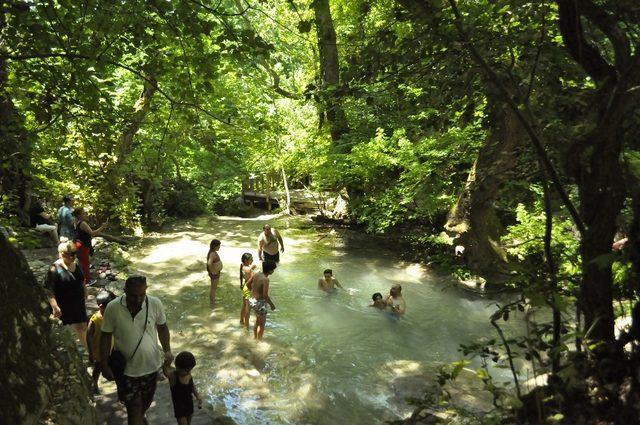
[[246, 274]]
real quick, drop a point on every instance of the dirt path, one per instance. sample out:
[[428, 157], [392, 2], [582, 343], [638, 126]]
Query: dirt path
[[110, 411]]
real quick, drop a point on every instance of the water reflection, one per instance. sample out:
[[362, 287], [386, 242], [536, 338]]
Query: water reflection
[[325, 359]]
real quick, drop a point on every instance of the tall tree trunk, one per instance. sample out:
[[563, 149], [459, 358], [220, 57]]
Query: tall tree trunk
[[594, 159], [16, 146], [287, 209], [473, 221], [114, 191], [127, 139], [602, 195], [330, 74]]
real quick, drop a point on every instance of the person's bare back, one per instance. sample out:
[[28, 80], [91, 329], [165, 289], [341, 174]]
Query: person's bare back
[[258, 285], [260, 297]]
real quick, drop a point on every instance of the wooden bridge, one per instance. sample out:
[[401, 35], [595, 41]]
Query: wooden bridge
[[300, 199], [259, 191]]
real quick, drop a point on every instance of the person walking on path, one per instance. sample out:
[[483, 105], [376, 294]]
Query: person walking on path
[[214, 267], [136, 321], [67, 298], [66, 221], [246, 274], [268, 244], [260, 297], [42, 221], [182, 387], [83, 235], [94, 332]]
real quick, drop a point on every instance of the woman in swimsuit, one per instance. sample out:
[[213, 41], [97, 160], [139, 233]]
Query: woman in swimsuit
[[214, 267], [246, 273]]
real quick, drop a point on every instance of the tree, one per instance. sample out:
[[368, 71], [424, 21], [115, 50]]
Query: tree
[[330, 75]]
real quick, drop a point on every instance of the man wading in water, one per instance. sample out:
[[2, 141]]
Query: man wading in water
[[260, 297], [268, 242]]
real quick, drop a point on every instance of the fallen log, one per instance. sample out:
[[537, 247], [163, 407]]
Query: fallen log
[[112, 238]]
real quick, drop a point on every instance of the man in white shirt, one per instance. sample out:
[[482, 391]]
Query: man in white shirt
[[137, 321]]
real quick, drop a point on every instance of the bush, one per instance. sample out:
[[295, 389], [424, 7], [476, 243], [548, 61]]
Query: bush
[[184, 201]]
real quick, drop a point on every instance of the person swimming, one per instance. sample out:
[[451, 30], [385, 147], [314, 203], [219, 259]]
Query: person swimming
[[395, 301], [378, 302], [328, 283]]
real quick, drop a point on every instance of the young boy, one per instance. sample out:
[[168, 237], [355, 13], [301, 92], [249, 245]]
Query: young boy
[[378, 302], [94, 332], [182, 387], [260, 297], [328, 283]]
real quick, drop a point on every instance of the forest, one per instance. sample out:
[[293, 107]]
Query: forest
[[495, 139]]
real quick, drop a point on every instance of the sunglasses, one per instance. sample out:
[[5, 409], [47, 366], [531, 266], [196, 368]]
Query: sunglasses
[[69, 254]]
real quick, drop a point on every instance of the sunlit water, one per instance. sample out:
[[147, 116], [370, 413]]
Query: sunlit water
[[324, 359]]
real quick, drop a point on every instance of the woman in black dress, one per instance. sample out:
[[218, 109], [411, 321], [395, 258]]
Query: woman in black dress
[[65, 280]]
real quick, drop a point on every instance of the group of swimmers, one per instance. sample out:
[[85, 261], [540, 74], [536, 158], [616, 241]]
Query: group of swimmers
[[254, 285]]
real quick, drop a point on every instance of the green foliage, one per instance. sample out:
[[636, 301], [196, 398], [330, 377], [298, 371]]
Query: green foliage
[[525, 240], [184, 201]]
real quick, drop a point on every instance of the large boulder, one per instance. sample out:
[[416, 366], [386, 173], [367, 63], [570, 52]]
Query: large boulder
[[41, 371]]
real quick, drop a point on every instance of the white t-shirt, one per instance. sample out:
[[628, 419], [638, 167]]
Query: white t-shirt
[[127, 332]]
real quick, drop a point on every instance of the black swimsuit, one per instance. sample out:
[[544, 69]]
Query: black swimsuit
[[182, 398]]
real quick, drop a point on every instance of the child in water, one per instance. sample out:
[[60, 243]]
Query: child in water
[[246, 274], [94, 333], [182, 387], [378, 302]]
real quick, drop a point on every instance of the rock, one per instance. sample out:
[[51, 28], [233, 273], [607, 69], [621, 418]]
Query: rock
[[198, 265], [223, 420], [47, 382]]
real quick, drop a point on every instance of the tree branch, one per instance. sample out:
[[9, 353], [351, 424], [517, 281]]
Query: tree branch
[[609, 26], [535, 140], [583, 52], [123, 66]]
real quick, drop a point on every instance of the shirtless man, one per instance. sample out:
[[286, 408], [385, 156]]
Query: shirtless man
[[268, 244], [260, 297], [395, 302], [328, 283]]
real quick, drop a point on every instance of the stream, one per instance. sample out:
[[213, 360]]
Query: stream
[[324, 359]]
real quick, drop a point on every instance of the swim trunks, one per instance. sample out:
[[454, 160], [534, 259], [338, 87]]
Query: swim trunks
[[131, 387], [273, 258], [259, 306]]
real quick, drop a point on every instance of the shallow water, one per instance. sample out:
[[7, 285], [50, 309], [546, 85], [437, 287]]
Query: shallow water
[[324, 359]]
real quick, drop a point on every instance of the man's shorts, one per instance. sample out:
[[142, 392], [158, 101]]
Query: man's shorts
[[259, 306], [273, 258], [129, 388]]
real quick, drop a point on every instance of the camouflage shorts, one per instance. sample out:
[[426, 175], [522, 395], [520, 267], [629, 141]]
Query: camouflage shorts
[[129, 387]]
